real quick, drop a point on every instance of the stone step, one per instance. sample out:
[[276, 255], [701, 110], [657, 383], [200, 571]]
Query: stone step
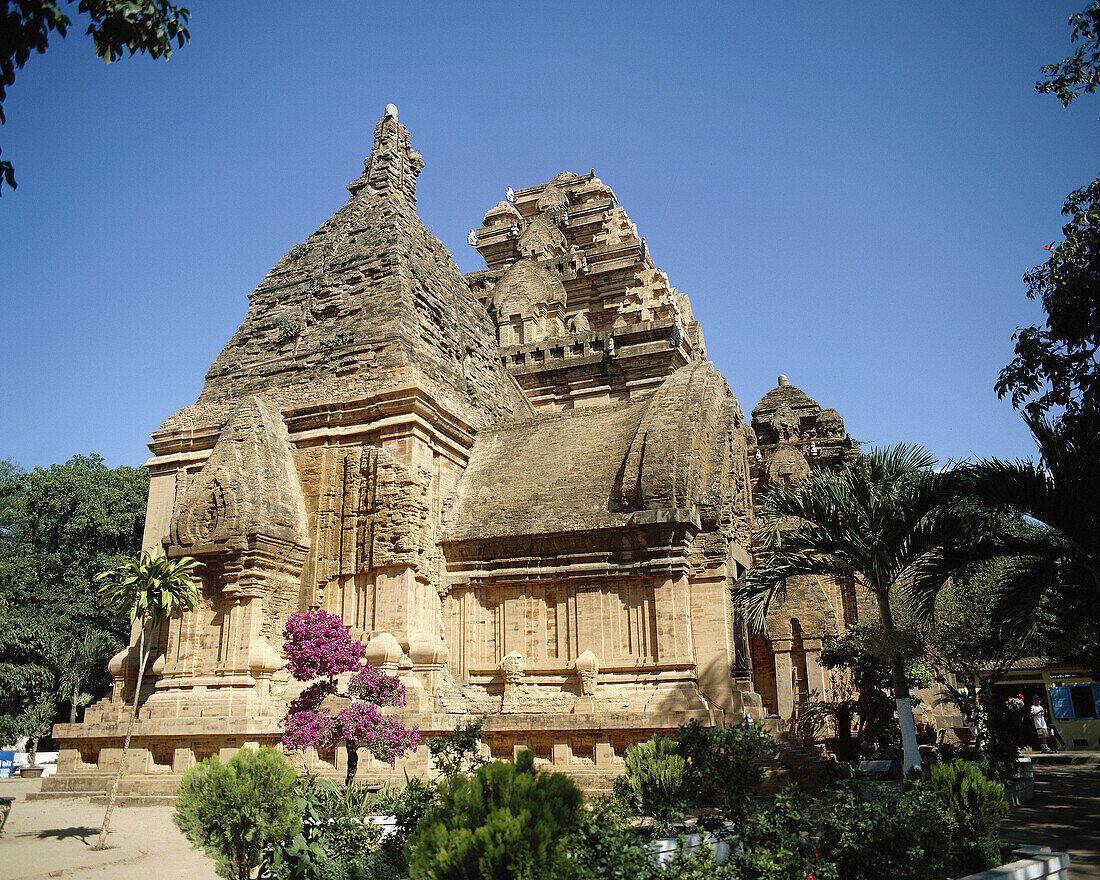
[[137, 800]]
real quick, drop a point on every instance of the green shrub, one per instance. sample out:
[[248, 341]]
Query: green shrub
[[458, 751], [408, 806], [721, 773], [978, 806], [233, 810], [653, 784], [505, 822], [605, 847]]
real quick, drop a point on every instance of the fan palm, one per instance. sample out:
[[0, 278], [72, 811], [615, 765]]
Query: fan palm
[[145, 590], [1052, 579], [81, 661], [884, 521]]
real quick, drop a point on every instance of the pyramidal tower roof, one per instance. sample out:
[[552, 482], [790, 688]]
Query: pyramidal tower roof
[[370, 302]]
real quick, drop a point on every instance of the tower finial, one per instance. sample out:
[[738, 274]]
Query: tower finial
[[393, 165], [783, 380]]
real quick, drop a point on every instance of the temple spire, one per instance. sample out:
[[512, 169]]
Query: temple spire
[[393, 165]]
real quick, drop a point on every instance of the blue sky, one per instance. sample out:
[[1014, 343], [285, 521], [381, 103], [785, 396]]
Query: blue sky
[[849, 193]]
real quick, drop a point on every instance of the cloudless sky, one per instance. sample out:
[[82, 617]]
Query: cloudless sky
[[848, 192]]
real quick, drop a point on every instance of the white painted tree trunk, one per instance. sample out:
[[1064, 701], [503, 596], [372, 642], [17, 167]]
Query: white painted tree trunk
[[910, 750]]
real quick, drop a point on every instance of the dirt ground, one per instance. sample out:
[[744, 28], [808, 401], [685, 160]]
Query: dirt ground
[[54, 838]]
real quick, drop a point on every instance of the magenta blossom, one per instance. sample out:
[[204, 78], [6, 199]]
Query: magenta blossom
[[318, 645], [308, 728], [373, 685]]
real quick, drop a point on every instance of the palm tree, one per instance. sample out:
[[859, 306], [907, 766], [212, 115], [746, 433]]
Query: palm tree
[[80, 662], [1051, 581], [145, 590], [883, 521]]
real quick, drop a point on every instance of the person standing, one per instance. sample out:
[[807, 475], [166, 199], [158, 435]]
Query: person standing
[[1039, 719]]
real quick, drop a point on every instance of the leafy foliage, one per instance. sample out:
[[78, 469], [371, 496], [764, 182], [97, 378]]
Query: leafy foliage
[[721, 772], [144, 590], [1048, 588], [605, 847], [458, 751], [1079, 73], [234, 810], [36, 723], [58, 527], [653, 784], [149, 26], [408, 805], [977, 804], [507, 820], [149, 587], [1055, 365], [83, 661], [336, 841]]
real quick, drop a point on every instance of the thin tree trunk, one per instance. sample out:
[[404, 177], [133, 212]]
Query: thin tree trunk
[[909, 748], [353, 761], [72, 711], [126, 743]]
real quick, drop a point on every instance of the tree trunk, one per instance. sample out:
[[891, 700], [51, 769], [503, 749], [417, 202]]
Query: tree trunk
[[353, 761], [126, 743], [909, 748], [72, 711], [32, 750]]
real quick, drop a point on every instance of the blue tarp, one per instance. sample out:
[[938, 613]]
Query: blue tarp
[[1062, 703]]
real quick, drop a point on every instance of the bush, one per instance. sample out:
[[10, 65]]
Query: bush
[[458, 751], [505, 821], [336, 842], [408, 806], [721, 773], [605, 847], [653, 784], [233, 810], [978, 806]]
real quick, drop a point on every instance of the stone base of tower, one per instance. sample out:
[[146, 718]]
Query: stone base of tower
[[587, 747]]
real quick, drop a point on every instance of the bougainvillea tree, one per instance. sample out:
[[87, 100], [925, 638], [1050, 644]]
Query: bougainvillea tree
[[319, 647]]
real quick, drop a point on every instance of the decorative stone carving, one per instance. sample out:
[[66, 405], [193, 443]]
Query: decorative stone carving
[[384, 652], [588, 668], [830, 424], [512, 667], [787, 465], [785, 424]]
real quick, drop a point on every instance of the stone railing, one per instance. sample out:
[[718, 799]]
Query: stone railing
[[1038, 863]]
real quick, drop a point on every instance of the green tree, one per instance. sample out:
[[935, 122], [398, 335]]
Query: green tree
[[82, 661], [1056, 365], [881, 521], [234, 810], [37, 722], [145, 590], [1048, 587], [58, 527], [149, 26]]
